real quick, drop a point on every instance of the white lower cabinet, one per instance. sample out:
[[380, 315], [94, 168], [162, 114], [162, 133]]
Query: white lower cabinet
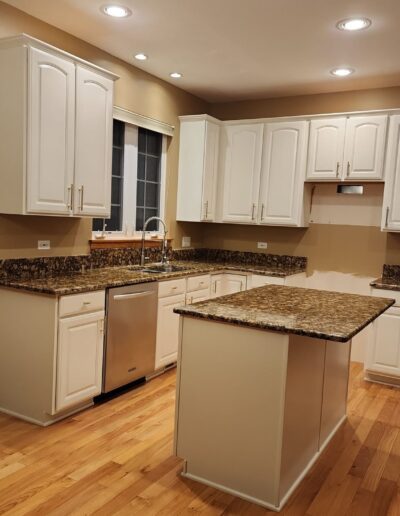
[[258, 280], [197, 296], [227, 283], [383, 354], [168, 329], [79, 359]]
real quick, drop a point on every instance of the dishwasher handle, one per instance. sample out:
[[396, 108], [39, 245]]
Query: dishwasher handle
[[123, 297]]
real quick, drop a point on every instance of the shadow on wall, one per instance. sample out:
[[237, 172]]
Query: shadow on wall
[[19, 235]]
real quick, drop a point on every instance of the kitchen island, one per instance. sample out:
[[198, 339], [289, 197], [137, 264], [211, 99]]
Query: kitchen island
[[262, 385]]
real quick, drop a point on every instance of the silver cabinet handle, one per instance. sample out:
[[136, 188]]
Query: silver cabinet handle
[[348, 168], [337, 169], [122, 297], [387, 217], [262, 211], [70, 194], [80, 190], [206, 210], [253, 208]]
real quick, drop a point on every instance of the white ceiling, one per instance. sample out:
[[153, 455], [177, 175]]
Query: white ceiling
[[241, 49]]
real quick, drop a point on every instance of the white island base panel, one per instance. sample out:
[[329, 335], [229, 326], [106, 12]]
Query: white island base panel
[[256, 408]]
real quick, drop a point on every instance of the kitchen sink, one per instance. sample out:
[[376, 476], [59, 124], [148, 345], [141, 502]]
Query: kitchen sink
[[163, 268]]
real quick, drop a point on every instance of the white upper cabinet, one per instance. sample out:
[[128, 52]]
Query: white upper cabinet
[[347, 149], [364, 150], [242, 149], [56, 131], [51, 131], [391, 197], [283, 173], [326, 148], [198, 168], [94, 106]]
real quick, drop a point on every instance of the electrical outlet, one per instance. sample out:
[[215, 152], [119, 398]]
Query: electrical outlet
[[44, 245], [262, 245], [186, 241]]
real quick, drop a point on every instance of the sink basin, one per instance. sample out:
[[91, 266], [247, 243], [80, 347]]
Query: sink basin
[[163, 268]]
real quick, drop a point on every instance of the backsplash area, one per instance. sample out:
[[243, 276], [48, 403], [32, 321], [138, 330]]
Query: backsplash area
[[100, 258]]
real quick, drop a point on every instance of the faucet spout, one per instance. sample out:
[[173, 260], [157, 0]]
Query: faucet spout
[[164, 244]]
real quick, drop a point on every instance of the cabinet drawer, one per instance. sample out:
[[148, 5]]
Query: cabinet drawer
[[391, 294], [81, 303], [198, 283], [171, 288]]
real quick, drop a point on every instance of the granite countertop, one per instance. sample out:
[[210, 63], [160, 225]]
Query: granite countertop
[[314, 313], [99, 279], [386, 283]]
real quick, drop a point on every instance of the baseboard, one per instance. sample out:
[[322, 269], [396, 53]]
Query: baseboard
[[45, 423]]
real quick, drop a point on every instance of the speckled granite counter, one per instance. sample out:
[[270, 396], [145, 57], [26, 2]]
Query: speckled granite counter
[[98, 279], [390, 279], [314, 313]]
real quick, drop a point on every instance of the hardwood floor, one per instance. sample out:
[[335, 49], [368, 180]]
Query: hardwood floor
[[116, 459]]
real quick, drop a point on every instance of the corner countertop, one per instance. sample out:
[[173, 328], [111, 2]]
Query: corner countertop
[[314, 313], [99, 279], [386, 284]]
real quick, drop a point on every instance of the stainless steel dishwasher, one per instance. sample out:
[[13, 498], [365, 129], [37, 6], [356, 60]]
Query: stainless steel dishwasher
[[130, 335]]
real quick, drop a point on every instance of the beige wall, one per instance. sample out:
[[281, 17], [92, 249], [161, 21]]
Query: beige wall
[[135, 90]]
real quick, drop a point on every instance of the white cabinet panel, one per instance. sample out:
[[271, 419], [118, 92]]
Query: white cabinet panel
[[258, 280], [383, 354], [198, 169], [51, 128], [234, 283], [168, 330], [365, 147], [326, 147], [283, 172], [80, 359], [391, 199], [217, 285], [94, 101], [197, 296], [241, 172]]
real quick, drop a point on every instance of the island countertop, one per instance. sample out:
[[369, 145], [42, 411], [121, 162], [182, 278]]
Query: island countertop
[[315, 313]]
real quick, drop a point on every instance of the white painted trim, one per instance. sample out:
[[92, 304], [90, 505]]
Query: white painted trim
[[129, 179], [47, 423], [146, 122], [197, 118], [163, 177], [231, 491], [30, 41]]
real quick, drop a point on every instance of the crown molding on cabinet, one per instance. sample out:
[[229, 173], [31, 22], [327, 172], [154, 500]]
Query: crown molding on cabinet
[[146, 122]]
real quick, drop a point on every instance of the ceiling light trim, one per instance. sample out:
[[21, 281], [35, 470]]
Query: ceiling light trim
[[354, 24], [342, 71], [124, 11]]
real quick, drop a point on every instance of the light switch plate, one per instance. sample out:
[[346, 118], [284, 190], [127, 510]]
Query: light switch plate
[[186, 241], [262, 245], [44, 245]]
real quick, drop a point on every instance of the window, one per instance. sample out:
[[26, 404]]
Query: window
[[138, 172]]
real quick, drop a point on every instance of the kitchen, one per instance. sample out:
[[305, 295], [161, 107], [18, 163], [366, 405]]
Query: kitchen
[[180, 145]]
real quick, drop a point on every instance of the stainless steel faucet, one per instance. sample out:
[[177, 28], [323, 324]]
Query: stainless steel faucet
[[164, 258]]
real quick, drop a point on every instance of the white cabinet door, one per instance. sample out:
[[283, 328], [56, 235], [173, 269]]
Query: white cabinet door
[[325, 149], [79, 359], [383, 355], [50, 138], [168, 330], [391, 198], [365, 147], [197, 296], [234, 283], [210, 174], [258, 280], [217, 285], [283, 173], [94, 110], [241, 172], [198, 169]]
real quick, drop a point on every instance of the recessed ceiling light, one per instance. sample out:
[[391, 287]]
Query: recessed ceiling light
[[175, 75], [354, 24], [342, 72], [116, 11], [141, 57]]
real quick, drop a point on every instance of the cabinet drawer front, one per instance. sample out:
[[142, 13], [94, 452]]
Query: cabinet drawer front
[[81, 303], [198, 283], [390, 294], [171, 288]]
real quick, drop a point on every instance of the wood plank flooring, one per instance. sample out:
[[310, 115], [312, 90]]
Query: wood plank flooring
[[116, 458]]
